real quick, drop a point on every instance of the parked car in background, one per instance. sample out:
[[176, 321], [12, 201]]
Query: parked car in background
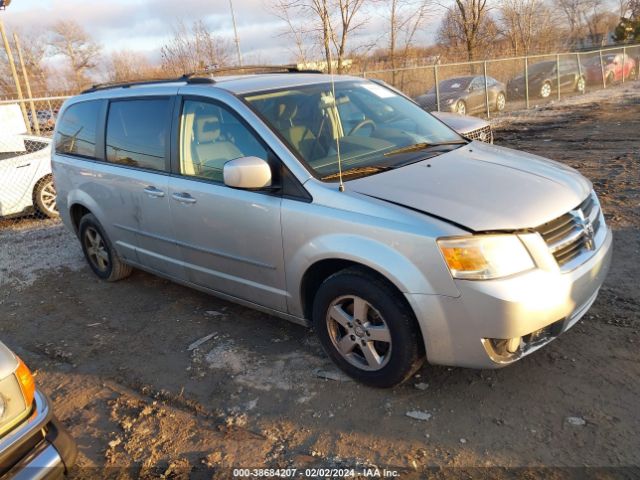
[[33, 443], [543, 79], [26, 182], [470, 127], [46, 120], [614, 67], [334, 202], [465, 95]]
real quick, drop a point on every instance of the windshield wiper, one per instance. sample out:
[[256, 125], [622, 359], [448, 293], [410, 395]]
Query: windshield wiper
[[422, 146], [356, 171]]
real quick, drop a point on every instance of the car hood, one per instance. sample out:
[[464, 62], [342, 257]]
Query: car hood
[[462, 124], [482, 187]]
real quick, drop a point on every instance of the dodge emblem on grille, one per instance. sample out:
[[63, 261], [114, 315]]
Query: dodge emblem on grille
[[587, 228]]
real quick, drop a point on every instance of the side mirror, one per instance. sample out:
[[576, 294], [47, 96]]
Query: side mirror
[[250, 173]]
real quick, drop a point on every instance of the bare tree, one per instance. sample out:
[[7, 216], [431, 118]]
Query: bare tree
[[332, 22], [71, 41], [405, 18], [577, 14], [467, 24], [193, 48], [348, 10], [528, 25], [296, 28], [125, 65], [34, 49]]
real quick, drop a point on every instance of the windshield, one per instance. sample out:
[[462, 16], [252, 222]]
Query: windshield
[[453, 85], [368, 123]]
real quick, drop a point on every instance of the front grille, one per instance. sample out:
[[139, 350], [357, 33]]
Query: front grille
[[573, 233], [483, 134]]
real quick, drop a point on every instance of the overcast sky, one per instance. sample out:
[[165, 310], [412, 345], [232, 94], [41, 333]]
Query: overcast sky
[[145, 25]]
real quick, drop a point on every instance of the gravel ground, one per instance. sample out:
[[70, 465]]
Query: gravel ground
[[154, 379]]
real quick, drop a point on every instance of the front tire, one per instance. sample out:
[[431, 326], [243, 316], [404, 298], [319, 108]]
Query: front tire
[[44, 197], [99, 251], [366, 327], [461, 107]]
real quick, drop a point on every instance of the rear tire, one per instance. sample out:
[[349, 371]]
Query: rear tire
[[44, 197], [545, 90], [610, 79], [99, 252], [501, 102], [366, 327]]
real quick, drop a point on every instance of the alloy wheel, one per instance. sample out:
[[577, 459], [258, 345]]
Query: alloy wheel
[[48, 198], [359, 333], [581, 85], [96, 249], [461, 108], [501, 102], [545, 91]]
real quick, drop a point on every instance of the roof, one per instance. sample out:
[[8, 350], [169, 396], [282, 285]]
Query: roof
[[241, 84], [237, 84]]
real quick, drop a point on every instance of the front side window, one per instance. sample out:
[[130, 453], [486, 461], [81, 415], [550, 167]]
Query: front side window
[[76, 133], [371, 126], [210, 136], [137, 132]]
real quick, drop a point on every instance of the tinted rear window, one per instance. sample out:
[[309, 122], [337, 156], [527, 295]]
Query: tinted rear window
[[76, 134], [137, 133]]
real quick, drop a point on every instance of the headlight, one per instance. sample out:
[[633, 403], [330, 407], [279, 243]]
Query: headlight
[[16, 397], [449, 101], [483, 257]]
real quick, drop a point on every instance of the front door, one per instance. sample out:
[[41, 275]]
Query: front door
[[230, 239]]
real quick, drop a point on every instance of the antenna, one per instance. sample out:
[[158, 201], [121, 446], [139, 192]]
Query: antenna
[[335, 104]]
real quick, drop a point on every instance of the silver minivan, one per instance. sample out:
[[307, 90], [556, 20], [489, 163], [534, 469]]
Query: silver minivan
[[335, 203]]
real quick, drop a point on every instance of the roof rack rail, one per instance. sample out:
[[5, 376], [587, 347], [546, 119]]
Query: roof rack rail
[[214, 70], [151, 81], [201, 76]]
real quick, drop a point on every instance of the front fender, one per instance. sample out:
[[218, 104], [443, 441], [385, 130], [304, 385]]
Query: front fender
[[378, 256]]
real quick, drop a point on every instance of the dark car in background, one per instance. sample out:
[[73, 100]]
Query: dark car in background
[[543, 79], [465, 95], [46, 120], [614, 67]]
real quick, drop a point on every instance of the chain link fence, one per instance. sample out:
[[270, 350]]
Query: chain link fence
[[486, 89], [489, 87]]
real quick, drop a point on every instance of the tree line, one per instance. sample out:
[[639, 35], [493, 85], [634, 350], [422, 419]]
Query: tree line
[[336, 35]]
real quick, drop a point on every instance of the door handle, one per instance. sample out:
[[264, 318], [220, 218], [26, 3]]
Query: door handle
[[154, 192], [183, 197], [23, 166]]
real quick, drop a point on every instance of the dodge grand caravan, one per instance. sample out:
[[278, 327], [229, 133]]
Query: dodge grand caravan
[[336, 204]]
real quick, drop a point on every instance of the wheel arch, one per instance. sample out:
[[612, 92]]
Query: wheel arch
[[318, 272], [77, 211]]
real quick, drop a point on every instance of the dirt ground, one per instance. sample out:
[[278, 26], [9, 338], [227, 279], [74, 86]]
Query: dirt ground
[[259, 392]]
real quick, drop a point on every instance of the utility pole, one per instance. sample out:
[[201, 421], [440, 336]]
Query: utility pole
[[12, 66], [235, 31], [34, 115]]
